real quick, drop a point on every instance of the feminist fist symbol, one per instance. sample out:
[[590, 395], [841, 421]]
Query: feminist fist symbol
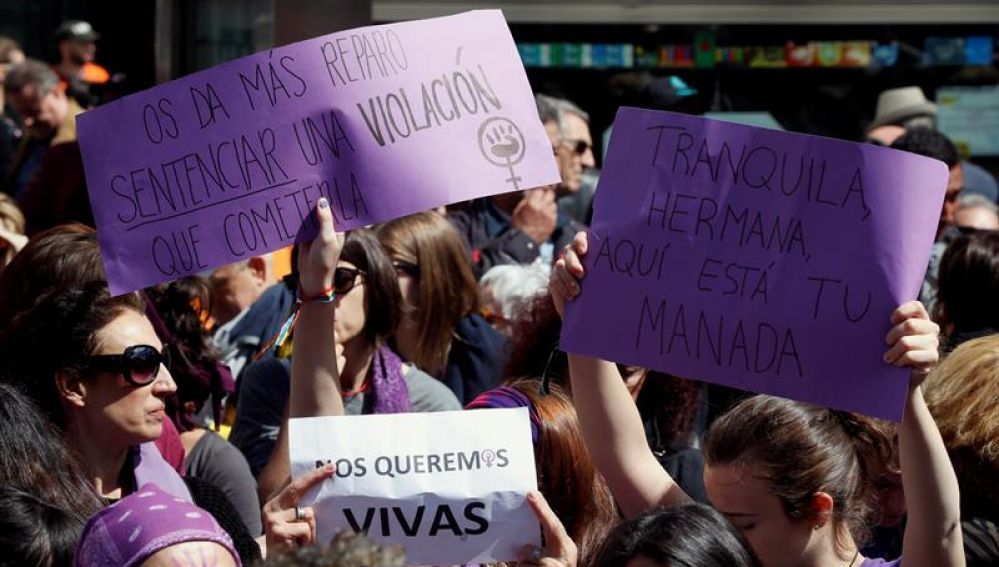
[[502, 144]]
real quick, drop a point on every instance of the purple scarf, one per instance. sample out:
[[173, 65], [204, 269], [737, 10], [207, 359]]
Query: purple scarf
[[389, 393]]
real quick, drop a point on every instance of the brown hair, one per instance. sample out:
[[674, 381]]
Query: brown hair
[[567, 476], [383, 300], [961, 393], [447, 288], [968, 293], [60, 256], [834, 452]]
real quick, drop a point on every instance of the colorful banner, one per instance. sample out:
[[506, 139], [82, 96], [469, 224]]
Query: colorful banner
[[763, 260], [450, 499], [383, 121]]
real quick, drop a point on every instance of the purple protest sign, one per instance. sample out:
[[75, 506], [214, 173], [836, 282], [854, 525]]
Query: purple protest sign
[[384, 121], [763, 260]]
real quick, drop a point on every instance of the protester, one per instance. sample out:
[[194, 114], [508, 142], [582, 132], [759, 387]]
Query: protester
[[507, 291], [202, 383], [373, 378], [95, 367], [153, 528], [10, 131], [961, 394], [46, 175], [441, 330], [567, 477], [811, 509], [968, 295], [691, 534], [77, 44], [568, 129], [12, 238], [933, 144], [977, 212]]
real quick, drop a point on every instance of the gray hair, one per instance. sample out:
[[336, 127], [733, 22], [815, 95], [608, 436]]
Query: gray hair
[[31, 72], [515, 286], [551, 109], [975, 201]]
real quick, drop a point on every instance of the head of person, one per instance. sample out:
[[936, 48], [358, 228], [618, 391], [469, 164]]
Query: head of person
[[34, 458], [151, 528], [902, 107], [35, 531], [77, 41], [11, 220], [568, 129], [968, 285], [10, 55], [961, 393], [368, 300], [60, 256], [977, 212], [32, 88], [930, 143], [236, 286], [818, 503], [347, 549], [93, 364], [437, 285], [567, 477], [693, 534], [508, 290]]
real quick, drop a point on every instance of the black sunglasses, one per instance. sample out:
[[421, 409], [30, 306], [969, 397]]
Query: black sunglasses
[[139, 364], [579, 147], [404, 268], [344, 279]]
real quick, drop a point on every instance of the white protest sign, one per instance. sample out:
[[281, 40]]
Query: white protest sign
[[450, 487]]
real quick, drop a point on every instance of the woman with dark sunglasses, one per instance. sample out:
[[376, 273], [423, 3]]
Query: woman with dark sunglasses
[[372, 378], [441, 331]]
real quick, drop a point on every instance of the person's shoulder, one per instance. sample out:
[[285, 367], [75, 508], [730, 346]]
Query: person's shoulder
[[429, 394]]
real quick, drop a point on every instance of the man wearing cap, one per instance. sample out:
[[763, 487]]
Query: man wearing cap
[[905, 108], [77, 42]]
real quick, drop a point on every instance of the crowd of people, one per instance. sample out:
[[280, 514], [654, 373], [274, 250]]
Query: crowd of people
[[152, 428]]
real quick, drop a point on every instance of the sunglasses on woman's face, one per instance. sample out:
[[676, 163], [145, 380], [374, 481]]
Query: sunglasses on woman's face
[[139, 364], [344, 279]]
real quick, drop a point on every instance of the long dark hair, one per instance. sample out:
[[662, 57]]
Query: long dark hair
[[681, 536], [384, 300], [34, 531], [968, 292]]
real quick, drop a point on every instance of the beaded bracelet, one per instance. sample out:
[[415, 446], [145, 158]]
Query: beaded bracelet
[[280, 342]]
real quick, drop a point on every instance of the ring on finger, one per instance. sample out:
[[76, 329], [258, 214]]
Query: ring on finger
[[536, 555], [299, 514]]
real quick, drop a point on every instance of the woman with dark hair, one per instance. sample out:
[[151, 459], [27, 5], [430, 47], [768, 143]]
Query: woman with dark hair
[[968, 288], [441, 330], [687, 535], [372, 377], [793, 477], [95, 367], [567, 478]]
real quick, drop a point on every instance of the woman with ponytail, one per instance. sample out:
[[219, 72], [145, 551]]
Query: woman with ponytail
[[794, 478]]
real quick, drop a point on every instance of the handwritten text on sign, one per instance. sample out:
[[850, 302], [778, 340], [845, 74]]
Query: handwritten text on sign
[[448, 499], [383, 121], [764, 260]]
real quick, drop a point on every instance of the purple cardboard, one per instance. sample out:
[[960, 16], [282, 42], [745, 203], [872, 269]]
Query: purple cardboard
[[384, 120], [764, 260]]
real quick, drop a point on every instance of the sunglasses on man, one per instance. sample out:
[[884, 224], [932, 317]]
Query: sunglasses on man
[[139, 364], [578, 147]]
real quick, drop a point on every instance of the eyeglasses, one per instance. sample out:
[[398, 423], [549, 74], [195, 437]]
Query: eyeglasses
[[578, 147], [404, 268], [344, 280], [139, 364]]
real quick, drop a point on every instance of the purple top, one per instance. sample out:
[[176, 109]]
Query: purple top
[[149, 466]]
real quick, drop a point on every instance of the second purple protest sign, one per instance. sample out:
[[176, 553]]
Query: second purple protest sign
[[763, 260], [384, 121]]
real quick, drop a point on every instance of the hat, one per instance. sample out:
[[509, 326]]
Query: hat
[[78, 30], [137, 526], [895, 105]]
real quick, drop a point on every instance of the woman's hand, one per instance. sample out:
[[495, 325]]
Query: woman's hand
[[317, 259], [913, 341], [567, 273], [559, 549], [286, 524]]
